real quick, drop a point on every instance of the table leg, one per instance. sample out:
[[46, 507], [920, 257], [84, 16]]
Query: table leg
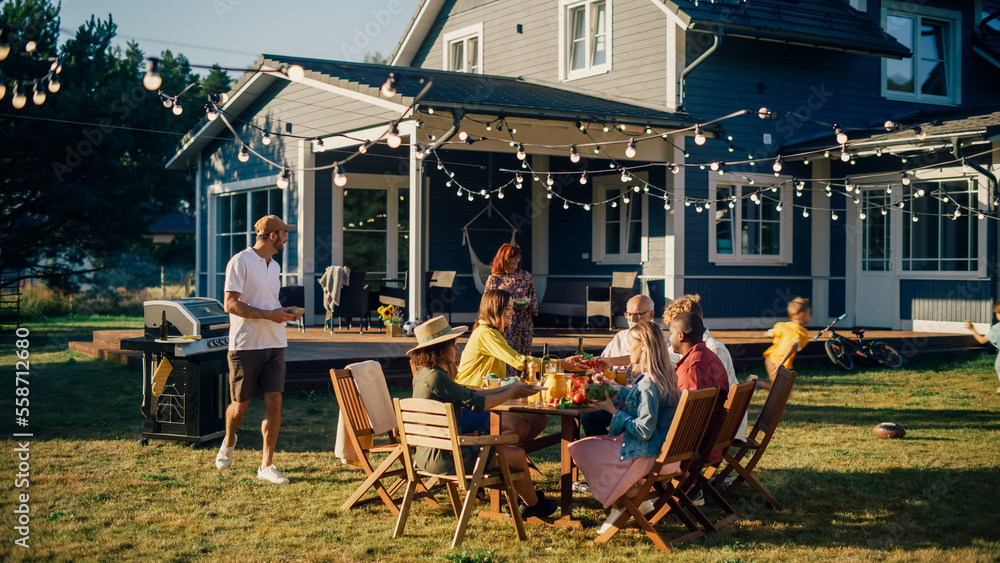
[[495, 493], [568, 468]]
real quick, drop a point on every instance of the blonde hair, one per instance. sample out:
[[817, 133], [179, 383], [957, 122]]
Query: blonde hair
[[492, 306], [798, 306], [655, 360], [683, 304]]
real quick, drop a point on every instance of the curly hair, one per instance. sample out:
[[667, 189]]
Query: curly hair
[[684, 304], [441, 355], [505, 256]]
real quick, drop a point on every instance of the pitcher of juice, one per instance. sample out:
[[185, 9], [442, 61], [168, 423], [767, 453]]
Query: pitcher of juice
[[556, 382]]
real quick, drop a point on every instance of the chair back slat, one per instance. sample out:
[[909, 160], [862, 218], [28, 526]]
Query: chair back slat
[[774, 406], [425, 418], [413, 429], [428, 442], [736, 406], [430, 424], [349, 400], [688, 427]]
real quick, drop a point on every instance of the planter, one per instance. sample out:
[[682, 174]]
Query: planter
[[394, 329]]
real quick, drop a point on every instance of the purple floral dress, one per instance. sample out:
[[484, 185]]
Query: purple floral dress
[[519, 335]]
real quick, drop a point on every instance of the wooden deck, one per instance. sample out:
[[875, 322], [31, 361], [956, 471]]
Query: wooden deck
[[311, 355]]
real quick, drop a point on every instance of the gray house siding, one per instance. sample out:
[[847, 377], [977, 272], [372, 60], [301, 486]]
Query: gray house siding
[[947, 300]]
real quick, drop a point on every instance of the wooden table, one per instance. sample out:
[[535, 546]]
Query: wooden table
[[570, 431]]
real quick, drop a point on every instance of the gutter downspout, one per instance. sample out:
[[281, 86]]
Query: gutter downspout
[[696, 62], [978, 168]]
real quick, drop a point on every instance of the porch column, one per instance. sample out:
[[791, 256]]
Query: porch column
[[820, 267], [418, 229], [305, 219], [539, 227], [673, 272]]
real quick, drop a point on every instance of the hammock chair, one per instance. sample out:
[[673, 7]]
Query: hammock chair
[[480, 271]]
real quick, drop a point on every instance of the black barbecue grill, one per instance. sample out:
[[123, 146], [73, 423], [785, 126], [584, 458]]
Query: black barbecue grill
[[193, 401]]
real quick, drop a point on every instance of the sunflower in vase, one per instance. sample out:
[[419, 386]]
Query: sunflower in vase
[[391, 315]]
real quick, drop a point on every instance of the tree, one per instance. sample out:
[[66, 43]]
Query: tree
[[83, 174]]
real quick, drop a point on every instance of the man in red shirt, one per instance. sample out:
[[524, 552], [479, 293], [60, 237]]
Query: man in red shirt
[[699, 367]]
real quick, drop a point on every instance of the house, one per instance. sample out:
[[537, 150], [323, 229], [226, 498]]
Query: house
[[697, 143]]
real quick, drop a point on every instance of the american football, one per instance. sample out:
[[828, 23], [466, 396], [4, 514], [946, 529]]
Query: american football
[[889, 430]]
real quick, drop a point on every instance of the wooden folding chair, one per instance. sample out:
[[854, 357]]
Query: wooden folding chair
[[432, 424], [757, 440], [359, 432], [686, 431], [735, 407]]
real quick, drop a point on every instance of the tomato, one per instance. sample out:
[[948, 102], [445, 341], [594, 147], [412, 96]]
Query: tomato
[[579, 398]]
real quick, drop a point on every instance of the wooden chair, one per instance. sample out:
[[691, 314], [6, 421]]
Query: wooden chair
[[432, 424], [686, 431], [757, 440], [359, 434], [735, 407], [607, 302]]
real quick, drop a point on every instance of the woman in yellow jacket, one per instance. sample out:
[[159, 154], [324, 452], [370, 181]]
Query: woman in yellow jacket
[[488, 352]]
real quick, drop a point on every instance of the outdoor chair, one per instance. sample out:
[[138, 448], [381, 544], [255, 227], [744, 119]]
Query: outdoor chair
[[686, 431], [736, 404], [354, 302], [293, 296], [757, 440], [608, 302], [360, 435], [439, 293], [432, 424]]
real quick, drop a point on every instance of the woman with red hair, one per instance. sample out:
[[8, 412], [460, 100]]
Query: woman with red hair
[[508, 275]]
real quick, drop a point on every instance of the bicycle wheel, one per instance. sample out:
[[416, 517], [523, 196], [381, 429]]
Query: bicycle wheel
[[886, 355], [838, 354]]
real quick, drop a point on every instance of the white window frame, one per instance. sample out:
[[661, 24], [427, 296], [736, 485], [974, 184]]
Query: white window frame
[[565, 6], [763, 183], [463, 35], [953, 58], [601, 184], [391, 186]]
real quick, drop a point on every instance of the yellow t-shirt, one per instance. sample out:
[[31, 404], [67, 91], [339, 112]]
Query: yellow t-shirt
[[785, 334], [487, 352]]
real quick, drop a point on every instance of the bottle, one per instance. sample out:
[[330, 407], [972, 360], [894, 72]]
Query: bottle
[[549, 363], [579, 347], [163, 326]]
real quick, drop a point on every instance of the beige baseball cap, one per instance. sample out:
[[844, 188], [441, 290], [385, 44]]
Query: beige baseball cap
[[271, 223]]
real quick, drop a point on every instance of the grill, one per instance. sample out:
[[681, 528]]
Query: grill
[[192, 404]]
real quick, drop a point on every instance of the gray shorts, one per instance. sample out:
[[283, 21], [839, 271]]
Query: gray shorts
[[255, 372]]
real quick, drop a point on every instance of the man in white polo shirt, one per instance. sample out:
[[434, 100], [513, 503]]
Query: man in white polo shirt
[[257, 341]]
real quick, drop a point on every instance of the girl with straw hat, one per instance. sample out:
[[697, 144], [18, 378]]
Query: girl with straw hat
[[434, 366]]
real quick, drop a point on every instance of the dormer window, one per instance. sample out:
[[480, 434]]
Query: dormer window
[[933, 73], [584, 38], [463, 50]]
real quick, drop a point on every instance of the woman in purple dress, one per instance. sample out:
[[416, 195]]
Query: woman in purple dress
[[508, 275]]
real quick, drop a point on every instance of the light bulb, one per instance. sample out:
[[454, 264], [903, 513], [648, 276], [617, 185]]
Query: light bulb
[[339, 178], [606, 129], [805, 212], [777, 164], [626, 199], [3, 90], [919, 131], [210, 113], [625, 176], [471, 197], [890, 125], [630, 150], [282, 181], [673, 168], [389, 88], [845, 155], [636, 189], [583, 178], [295, 73], [548, 195], [848, 186], [921, 192], [764, 113], [862, 216], [906, 179], [981, 216], [4, 50], [177, 109], [393, 140], [521, 155], [885, 211], [586, 207], [915, 219], [429, 110], [518, 178], [152, 80], [244, 154], [699, 137], [597, 150], [462, 135], [53, 84], [168, 102], [549, 180], [574, 156], [418, 151], [565, 205], [19, 99], [500, 194], [30, 47], [697, 208], [958, 213], [833, 215], [841, 136], [38, 95], [716, 166], [265, 138], [614, 204]]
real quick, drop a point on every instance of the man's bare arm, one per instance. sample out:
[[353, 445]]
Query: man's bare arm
[[234, 306]]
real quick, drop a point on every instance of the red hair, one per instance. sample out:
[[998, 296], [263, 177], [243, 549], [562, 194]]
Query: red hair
[[501, 262]]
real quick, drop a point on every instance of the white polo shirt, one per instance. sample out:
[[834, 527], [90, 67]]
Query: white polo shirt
[[257, 281]]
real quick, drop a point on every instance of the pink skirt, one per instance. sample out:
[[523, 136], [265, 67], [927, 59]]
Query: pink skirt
[[608, 476]]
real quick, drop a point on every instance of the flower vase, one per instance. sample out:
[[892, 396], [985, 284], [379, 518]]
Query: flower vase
[[394, 329]]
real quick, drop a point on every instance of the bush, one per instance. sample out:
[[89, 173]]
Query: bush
[[38, 300]]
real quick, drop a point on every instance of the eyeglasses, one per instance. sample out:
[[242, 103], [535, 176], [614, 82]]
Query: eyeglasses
[[637, 315]]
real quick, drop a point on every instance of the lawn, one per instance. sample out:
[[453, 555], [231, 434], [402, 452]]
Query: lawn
[[95, 494]]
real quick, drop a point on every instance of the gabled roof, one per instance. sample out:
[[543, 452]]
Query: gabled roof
[[452, 91], [827, 24], [986, 36]]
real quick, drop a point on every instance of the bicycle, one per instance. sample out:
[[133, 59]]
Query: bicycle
[[841, 350]]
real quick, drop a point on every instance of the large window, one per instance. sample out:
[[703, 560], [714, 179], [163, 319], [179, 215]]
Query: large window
[[932, 74], [940, 241], [584, 38], [463, 50], [377, 230], [749, 224], [620, 224], [235, 214]]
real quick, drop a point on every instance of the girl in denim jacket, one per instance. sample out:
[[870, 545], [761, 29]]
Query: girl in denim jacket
[[641, 417]]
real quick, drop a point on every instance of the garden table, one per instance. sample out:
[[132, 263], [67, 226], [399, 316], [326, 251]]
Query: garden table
[[569, 432]]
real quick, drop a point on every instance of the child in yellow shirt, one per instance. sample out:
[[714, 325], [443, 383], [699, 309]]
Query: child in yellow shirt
[[789, 337]]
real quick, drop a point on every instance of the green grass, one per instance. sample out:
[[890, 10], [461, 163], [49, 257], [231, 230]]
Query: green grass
[[97, 495]]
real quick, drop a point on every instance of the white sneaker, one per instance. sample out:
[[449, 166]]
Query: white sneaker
[[271, 473], [225, 457], [645, 508]]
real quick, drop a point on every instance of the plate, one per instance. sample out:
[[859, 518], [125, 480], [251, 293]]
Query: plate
[[175, 340], [538, 388]]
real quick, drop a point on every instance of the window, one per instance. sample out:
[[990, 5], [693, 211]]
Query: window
[[235, 214], [463, 50], [939, 241], [584, 38], [620, 224], [750, 224], [377, 230], [932, 74], [859, 5]]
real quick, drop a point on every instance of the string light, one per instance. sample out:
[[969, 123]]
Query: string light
[[841, 136], [521, 155], [565, 204], [777, 164], [915, 219], [699, 137], [177, 109], [463, 136], [152, 80], [833, 216], [673, 167], [282, 181], [574, 155], [885, 211], [53, 84], [393, 139], [38, 94], [339, 178], [549, 181], [265, 139], [212, 115], [848, 185], [717, 165], [418, 151], [499, 194], [625, 175], [845, 155], [906, 179], [18, 99], [630, 150], [805, 212], [862, 216], [389, 88], [764, 113], [583, 178], [891, 126], [244, 154]]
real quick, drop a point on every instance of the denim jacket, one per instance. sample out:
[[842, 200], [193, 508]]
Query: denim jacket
[[642, 419]]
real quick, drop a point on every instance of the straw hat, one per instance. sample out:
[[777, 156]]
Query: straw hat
[[435, 331]]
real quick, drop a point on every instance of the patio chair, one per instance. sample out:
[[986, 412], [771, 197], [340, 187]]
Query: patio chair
[[686, 431], [757, 440], [293, 296], [432, 424], [354, 302], [736, 404], [359, 433], [439, 293], [607, 302]]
